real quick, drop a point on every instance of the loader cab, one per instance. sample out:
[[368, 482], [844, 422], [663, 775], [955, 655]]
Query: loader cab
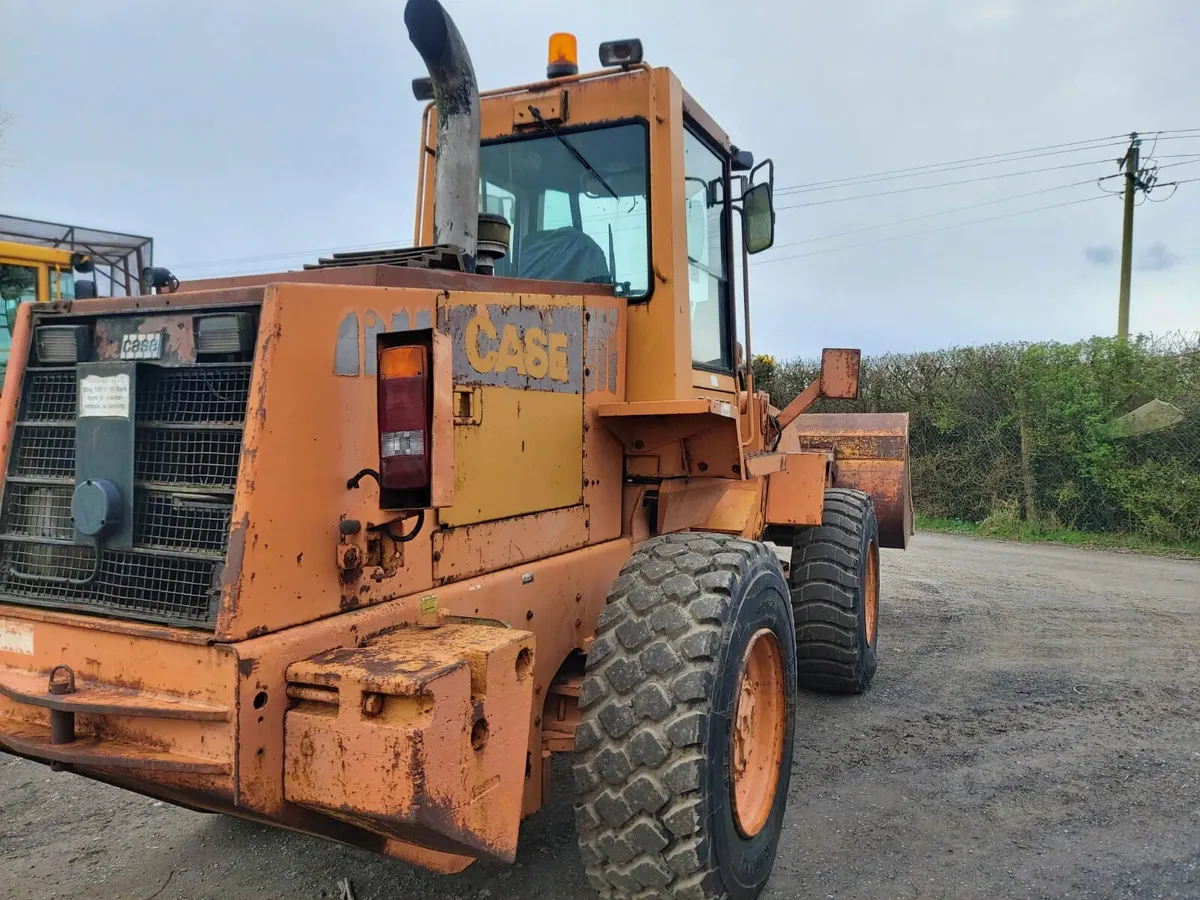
[[618, 177]]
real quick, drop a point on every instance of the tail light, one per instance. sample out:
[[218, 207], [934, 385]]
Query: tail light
[[404, 450]]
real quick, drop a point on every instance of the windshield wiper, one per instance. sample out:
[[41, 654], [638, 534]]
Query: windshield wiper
[[533, 111]]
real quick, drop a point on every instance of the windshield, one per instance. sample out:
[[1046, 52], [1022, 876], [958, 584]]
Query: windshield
[[569, 223]]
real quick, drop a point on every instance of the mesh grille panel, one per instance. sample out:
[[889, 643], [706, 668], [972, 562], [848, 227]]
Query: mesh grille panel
[[138, 585], [39, 511], [49, 396], [186, 451], [204, 394], [175, 522], [44, 451], [191, 456]]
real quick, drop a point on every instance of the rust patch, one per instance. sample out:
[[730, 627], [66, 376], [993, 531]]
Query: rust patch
[[179, 343], [231, 575], [411, 771]]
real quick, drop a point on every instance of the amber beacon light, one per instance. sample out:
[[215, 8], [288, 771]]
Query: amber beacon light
[[563, 58]]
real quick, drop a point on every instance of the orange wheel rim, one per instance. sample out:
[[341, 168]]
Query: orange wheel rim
[[871, 593], [759, 720]]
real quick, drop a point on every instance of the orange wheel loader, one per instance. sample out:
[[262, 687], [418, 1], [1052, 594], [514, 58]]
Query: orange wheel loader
[[356, 550]]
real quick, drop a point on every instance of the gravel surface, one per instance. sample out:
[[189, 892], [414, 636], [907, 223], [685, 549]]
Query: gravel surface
[[1034, 731]]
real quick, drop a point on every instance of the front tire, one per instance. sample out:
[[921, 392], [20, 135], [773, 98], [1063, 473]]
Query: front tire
[[684, 747], [835, 595]]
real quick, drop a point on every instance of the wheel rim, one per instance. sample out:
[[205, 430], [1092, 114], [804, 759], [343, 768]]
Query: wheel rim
[[758, 733], [871, 594]]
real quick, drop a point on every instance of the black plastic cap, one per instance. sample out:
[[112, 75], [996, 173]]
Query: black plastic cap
[[422, 88]]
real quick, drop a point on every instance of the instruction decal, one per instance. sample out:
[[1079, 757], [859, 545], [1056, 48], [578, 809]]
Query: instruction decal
[[104, 396]]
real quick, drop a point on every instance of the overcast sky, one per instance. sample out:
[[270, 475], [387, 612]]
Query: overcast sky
[[249, 135]]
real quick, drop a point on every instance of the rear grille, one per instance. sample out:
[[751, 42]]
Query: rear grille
[[187, 446], [44, 451], [187, 456], [49, 396]]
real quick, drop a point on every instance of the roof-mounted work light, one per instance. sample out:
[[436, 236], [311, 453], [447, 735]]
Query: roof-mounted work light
[[621, 53]]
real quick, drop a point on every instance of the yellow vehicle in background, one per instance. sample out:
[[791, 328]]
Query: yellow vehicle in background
[[45, 261], [30, 274]]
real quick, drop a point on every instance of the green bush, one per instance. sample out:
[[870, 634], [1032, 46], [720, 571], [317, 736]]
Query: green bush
[[1028, 430]]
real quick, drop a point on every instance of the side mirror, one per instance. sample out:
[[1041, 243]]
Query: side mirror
[[758, 218]]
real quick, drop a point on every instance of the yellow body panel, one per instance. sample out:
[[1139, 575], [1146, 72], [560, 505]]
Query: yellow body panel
[[520, 449], [525, 456]]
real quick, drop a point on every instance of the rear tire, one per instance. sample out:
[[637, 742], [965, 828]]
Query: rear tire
[[684, 747], [835, 595]]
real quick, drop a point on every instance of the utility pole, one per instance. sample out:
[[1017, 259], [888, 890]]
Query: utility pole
[[1131, 162]]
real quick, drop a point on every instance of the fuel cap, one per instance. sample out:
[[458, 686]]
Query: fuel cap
[[96, 507]]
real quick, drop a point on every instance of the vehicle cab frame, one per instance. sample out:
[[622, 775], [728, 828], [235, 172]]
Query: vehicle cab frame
[[682, 337]]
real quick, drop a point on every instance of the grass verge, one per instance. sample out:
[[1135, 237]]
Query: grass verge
[[1032, 532]]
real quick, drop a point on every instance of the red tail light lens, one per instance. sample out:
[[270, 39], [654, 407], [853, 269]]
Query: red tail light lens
[[404, 418]]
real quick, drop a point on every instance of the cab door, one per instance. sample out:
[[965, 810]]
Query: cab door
[[709, 248]]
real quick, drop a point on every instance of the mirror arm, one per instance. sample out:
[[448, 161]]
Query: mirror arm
[[769, 164]]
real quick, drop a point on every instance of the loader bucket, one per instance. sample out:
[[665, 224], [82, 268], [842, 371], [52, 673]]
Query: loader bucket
[[870, 452]]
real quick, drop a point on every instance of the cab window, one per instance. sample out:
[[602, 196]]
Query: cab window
[[577, 203], [708, 275]]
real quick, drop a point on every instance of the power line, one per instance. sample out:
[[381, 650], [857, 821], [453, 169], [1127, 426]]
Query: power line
[[972, 162], [952, 165], [1180, 137], [942, 212], [896, 237], [1174, 185], [940, 184], [1190, 162], [1152, 171], [912, 171]]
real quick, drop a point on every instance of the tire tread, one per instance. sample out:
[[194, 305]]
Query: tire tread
[[659, 852], [825, 588]]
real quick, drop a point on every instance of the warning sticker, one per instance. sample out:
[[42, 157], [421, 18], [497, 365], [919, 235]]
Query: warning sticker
[[16, 637], [104, 396]]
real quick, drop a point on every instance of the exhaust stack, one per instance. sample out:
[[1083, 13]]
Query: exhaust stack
[[456, 95]]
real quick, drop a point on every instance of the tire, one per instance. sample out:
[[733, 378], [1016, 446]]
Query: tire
[[659, 809], [835, 595]]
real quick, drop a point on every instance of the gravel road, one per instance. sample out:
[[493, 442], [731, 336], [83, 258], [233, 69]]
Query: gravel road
[[1034, 731]]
